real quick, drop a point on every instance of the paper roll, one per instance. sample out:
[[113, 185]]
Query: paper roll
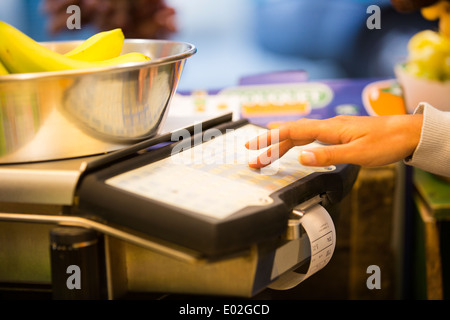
[[321, 233]]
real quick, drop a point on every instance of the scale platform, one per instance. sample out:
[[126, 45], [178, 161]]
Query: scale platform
[[179, 213]]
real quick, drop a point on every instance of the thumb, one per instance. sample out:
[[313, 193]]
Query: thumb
[[324, 156]]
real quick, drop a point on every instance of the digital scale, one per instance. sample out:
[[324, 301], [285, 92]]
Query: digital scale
[[179, 213]]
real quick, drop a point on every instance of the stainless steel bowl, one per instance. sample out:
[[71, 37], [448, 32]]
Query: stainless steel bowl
[[65, 114]]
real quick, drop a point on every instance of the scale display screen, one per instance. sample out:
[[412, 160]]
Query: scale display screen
[[213, 178]]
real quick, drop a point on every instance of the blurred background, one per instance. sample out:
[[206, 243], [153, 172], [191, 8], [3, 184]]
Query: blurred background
[[235, 38]]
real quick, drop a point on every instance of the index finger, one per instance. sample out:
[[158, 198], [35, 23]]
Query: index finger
[[301, 132], [264, 140]]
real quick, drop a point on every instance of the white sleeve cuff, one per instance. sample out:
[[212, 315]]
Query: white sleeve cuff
[[433, 151]]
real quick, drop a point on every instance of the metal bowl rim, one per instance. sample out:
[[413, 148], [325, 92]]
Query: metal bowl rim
[[123, 67]]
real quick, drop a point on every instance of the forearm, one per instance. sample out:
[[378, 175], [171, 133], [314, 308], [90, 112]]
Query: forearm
[[433, 151]]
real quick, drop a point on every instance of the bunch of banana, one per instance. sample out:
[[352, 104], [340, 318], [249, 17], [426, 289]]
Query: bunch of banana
[[21, 54]]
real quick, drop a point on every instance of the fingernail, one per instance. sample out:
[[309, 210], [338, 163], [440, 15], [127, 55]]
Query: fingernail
[[307, 158], [252, 144], [253, 162]]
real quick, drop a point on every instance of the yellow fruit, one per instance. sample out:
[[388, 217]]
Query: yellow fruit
[[444, 25], [21, 54], [435, 11], [101, 46], [131, 57], [3, 70], [422, 39], [446, 69], [429, 54]]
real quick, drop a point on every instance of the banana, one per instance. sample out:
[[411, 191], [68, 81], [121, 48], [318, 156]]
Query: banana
[[434, 11], [444, 25], [3, 70], [21, 54], [101, 46], [439, 11], [131, 57]]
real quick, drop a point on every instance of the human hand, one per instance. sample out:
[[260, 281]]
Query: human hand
[[367, 141]]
